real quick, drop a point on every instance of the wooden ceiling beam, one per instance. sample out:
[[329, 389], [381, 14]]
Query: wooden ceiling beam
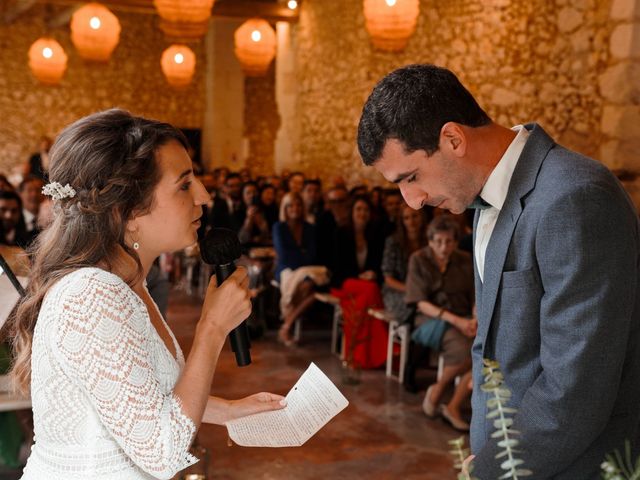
[[271, 12]]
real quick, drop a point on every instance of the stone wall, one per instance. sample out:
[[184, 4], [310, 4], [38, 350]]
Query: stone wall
[[524, 61], [261, 121], [132, 80], [620, 89]]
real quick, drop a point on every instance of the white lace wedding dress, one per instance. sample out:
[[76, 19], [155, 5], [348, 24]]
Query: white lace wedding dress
[[101, 387]]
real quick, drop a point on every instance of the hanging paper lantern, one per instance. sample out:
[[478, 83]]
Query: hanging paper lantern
[[95, 32], [391, 22], [178, 64], [255, 43], [47, 61], [186, 20]]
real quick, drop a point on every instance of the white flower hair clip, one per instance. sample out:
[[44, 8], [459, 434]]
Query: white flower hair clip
[[57, 191]]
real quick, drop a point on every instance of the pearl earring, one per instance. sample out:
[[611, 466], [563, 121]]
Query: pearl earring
[[135, 244]]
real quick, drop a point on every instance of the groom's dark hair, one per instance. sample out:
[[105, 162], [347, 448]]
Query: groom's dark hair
[[411, 105]]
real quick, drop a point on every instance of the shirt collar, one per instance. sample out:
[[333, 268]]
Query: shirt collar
[[496, 188]]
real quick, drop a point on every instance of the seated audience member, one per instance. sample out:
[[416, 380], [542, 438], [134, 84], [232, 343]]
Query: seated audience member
[[228, 210], [391, 202], [254, 231], [219, 177], [356, 272], [410, 235], [295, 243], [38, 164], [275, 181], [5, 184], [13, 231], [312, 197], [295, 182], [233, 195], [357, 246], [338, 181], [377, 209], [245, 174], [268, 204], [466, 231], [359, 191], [440, 284], [45, 214], [336, 214], [30, 191]]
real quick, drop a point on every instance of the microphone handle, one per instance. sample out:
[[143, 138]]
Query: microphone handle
[[239, 336], [12, 278]]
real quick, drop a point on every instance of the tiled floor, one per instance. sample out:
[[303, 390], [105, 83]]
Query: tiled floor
[[382, 434]]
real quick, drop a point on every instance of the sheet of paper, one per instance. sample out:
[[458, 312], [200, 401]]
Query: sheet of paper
[[311, 403]]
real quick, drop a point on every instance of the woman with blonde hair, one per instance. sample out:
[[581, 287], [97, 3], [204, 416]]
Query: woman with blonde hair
[[113, 397], [294, 240]]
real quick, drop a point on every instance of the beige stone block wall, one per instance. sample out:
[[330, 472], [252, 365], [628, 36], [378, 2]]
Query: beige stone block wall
[[262, 121], [132, 80], [620, 88], [524, 61]]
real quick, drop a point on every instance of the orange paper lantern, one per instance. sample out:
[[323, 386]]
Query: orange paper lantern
[[47, 61], [391, 22], [95, 32], [178, 64], [255, 46], [186, 20]]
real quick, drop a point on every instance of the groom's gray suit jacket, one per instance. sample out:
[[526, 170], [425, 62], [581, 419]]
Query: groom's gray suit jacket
[[559, 308]]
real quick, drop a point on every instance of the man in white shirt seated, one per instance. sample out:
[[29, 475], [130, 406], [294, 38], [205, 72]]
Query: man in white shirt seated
[[31, 194]]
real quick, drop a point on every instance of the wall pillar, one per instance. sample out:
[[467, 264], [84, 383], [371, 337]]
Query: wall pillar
[[620, 88], [222, 135], [287, 138]]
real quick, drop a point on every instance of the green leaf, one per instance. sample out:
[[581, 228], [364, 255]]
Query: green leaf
[[493, 414], [511, 463], [490, 363], [504, 453], [457, 442], [490, 386], [503, 423], [508, 442], [524, 472], [504, 391]]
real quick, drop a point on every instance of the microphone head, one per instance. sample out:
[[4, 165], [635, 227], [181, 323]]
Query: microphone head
[[220, 246]]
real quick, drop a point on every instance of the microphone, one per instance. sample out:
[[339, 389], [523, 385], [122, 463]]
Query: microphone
[[4, 266], [220, 247]]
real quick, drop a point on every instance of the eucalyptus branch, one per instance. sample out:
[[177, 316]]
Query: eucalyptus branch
[[459, 454], [494, 381], [615, 467]]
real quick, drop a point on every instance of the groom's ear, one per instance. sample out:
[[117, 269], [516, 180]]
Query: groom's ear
[[453, 139]]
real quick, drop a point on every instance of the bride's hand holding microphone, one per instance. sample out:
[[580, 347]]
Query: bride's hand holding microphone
[[224, 308], [227, 305]]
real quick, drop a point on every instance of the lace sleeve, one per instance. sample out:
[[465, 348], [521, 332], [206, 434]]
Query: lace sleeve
[[101, 340]]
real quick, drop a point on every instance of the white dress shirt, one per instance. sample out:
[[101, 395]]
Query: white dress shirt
[[494, 193], [29, 220]]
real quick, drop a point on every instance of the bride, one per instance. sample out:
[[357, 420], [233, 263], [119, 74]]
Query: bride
[[113, 397]]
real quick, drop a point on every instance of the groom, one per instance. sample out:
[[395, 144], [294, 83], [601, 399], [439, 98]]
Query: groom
[[557, 267]]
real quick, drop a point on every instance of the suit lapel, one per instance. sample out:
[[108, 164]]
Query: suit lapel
[[522, 182]]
